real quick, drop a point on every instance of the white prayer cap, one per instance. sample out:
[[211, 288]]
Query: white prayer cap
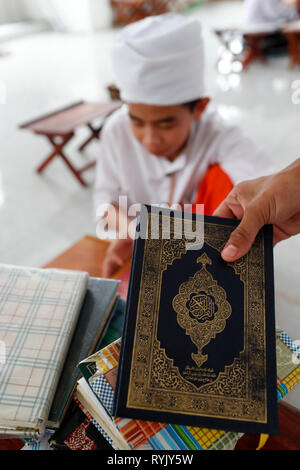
[[159, 60]]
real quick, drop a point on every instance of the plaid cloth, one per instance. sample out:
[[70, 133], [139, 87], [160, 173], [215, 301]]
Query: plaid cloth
[[38, 313], [145, 435]]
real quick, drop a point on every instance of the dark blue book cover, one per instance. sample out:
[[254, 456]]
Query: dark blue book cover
[[198, 344]]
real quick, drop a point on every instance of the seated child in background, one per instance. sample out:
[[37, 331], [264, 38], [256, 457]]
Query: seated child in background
[[164, 145], [272, 12]]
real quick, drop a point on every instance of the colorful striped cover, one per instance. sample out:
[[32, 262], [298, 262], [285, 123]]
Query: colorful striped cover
[[288, 364], [145, 435]]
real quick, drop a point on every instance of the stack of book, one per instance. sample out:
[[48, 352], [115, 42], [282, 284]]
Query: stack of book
[[50, 319], [95, 391], [199, 362], [191, 361]]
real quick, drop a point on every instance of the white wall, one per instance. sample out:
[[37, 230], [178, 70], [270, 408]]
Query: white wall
[[71, 15], [101, 14], [12, 11]]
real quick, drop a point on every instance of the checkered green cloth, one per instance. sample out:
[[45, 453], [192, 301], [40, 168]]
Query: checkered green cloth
[[39, 309]]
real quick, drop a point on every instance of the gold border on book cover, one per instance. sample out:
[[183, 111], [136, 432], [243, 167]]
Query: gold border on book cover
[[155, 383]]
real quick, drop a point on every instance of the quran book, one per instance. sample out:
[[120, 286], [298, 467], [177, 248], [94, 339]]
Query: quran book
[[39, 309], [198, 345], [96, 311]]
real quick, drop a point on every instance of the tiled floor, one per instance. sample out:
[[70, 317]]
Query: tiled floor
[[41, 215]]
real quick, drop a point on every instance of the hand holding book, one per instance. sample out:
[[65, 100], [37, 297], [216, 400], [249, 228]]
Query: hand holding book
[[270, 199]]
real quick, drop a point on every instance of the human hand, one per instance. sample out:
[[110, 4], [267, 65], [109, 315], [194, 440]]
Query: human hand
[[117, 254], [271, 199]]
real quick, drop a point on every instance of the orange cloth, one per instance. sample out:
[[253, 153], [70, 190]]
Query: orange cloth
[[213, 189]]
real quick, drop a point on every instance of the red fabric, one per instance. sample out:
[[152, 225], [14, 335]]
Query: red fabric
[[213, 189]]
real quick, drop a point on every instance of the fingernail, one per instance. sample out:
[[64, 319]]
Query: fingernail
[[230, 251]]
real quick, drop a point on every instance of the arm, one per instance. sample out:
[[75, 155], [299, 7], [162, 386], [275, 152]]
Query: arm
[[110, 218], [273, 199], [120, 250]]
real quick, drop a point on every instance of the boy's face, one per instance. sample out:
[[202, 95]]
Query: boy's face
[[163, 130]]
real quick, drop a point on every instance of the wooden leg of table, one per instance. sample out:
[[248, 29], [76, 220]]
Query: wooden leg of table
[[293, 47], [248, 57], [75, 172], [95, 135], [87, 166], [252, 51], [57, 149]]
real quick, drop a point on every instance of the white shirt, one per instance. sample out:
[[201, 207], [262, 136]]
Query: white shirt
[[126, 168], [264, 12]]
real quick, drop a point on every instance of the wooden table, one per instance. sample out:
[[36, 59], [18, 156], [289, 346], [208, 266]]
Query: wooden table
[[87, 255], [253, 38], [59, 128]]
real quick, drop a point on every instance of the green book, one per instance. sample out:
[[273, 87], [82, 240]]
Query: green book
[[114, 331], [98, 309]]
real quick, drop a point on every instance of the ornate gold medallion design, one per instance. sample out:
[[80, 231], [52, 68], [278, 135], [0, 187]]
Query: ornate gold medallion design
[[202, 308]]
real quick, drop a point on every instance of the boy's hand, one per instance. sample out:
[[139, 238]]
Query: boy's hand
[[117, 255]]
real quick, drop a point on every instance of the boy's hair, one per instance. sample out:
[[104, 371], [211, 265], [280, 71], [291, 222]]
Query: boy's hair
[[192, 104]]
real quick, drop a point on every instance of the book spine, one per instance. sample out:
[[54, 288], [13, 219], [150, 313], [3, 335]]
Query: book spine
[[125, 329]]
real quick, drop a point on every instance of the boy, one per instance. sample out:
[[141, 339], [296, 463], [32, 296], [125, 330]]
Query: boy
[[163, 146]]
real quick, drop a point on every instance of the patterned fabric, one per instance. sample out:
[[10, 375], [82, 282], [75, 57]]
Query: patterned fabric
[[100, 384], [89, 416], [288, 363], [38, 313], [41, 444]]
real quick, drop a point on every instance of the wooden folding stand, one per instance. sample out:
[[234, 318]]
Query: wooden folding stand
[[59, 128]]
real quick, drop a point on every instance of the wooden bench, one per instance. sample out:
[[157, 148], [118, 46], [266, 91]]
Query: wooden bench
[[59, 128], [253, 39]]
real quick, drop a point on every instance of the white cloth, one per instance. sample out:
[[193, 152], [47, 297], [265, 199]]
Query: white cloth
[[126, 168], [159, 60], [268, 12]]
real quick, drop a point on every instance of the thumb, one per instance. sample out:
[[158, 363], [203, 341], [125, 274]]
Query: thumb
[[242, 238], [111, 265]]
